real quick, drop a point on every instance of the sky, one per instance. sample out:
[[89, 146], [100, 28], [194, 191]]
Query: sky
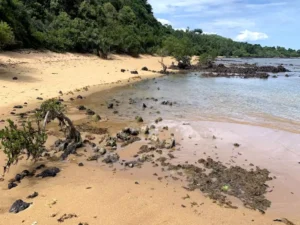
[[265, 22]]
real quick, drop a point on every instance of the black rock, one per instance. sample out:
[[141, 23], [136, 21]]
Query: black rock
[[144, 105], [18, 206], [18, 107], [110, 105], [80, 164], [71, 99], [139, 119], [40, 167], [18, 177], [51, 172], [145, 68], [90, 112], [131, 131], [79, 97], [39, 98], [123, 70], [81, 108], [15, 78], [35, 194], [134, 72], [12, 185], [25, 173]]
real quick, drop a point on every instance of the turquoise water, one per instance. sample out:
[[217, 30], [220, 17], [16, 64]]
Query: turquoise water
[[272, 102]]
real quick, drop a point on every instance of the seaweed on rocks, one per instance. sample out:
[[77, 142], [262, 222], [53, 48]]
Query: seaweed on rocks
[[244, 71], [248, 186], [111, 158]]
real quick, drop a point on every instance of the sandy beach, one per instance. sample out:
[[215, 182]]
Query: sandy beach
[[99, 194], [46, 74]]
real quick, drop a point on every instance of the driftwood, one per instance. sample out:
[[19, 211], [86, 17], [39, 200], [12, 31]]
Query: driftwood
[[73, 137], [163, 65]]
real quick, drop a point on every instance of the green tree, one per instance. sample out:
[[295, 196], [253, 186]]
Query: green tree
[[126, 15], [181, 49], [6, 35]]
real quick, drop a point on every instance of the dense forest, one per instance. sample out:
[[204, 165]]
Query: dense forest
[[104, 26]]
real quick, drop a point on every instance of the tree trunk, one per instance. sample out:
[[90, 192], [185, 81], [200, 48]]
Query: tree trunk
[[164, 70], [73, 137]]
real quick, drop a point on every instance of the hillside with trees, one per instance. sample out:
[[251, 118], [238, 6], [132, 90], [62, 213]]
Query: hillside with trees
[[105, 26]]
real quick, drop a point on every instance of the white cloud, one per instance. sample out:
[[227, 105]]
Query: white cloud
[[247, 35], [233, 23], [165, 6], [209, 33], [183, 29], [164, 21], [265, 5]]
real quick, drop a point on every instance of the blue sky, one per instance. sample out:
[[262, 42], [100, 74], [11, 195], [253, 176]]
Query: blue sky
[[265, 22]]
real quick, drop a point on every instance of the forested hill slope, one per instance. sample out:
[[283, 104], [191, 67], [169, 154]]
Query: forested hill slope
[[121, 26]]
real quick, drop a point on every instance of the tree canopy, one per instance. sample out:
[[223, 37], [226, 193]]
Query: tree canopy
[[103, 26]]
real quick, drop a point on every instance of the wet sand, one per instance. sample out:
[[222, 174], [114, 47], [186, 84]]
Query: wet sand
[[99, 194]]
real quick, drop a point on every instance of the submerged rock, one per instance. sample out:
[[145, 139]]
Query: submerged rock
[[94, 157], [102, 151], [130, 131], [111, 142], [169, 143], [154, 138], [159, 119], [90, 112], [51, 172], [145, 130], [139, 119], [96, 118], [111, 158], [18, 206], [110, 105], [123, 136]]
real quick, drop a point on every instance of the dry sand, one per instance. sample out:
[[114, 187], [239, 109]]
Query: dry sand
[[95, 194], [46, 74]]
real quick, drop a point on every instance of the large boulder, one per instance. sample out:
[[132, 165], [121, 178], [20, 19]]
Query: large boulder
[[18, 206], [51, 172]]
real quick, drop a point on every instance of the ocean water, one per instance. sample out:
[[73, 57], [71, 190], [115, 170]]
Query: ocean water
[[271, 103]]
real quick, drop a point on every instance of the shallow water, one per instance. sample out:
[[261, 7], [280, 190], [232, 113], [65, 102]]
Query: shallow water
[[271, 103]]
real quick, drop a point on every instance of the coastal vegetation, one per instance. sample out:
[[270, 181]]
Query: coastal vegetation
[[112, 26], [31, 135]]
